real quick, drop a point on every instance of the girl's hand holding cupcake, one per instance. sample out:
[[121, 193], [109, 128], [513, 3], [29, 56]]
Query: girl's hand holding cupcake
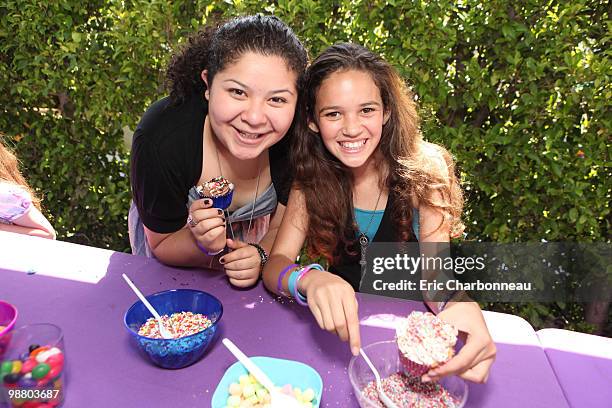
[[207, 226], [333, 303], [474, 360], [242, 264]]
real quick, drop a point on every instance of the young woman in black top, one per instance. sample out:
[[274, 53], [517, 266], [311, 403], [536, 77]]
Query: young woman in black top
[[233, 93], [364, 173]]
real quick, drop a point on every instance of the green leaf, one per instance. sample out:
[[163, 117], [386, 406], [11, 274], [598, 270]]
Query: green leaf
[[508, 31], [573, 214]]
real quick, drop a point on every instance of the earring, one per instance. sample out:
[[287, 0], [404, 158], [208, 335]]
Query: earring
[[206, 94]]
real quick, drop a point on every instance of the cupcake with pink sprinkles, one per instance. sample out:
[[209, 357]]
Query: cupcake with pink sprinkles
[[424, 342]]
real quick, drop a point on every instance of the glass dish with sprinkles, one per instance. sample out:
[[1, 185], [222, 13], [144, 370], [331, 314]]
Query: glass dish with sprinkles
[[410, 392], [404, 390]]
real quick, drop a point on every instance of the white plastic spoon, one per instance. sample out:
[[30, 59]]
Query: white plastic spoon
[[278, 399], [162, 328], [383, 397]]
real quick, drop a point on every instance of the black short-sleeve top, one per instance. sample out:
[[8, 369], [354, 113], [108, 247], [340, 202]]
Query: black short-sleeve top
[[166, 161]]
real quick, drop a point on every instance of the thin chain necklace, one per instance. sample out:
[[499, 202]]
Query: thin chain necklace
[[254, 197], [364, 241]]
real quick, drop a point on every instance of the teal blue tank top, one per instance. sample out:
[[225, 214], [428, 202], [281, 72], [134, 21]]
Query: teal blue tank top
[[369, 228]]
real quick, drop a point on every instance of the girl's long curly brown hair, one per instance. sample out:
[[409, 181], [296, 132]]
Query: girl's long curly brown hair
[[214, 47], [9, 171], [415, 172]]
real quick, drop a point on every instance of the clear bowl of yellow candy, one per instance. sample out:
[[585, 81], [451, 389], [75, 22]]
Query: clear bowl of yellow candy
[[239, 389]]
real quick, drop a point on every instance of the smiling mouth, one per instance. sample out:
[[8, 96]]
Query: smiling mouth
[[352, 147], [249, 135], [246, 136]]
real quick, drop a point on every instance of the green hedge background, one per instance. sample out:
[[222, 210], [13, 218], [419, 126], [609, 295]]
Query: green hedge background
[[517, 91]]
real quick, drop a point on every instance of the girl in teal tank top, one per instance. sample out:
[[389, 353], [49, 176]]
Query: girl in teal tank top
[[361, 169]]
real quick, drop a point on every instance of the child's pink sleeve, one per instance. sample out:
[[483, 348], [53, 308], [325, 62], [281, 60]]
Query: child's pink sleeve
[[14, 202]]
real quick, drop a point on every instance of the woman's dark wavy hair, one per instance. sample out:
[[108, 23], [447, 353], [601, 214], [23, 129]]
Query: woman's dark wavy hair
[[415, 168], [214, 47]]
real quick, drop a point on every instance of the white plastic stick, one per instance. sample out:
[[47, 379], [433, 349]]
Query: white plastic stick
[[162, 329], [259, 375], [383, 397], [278, 399]]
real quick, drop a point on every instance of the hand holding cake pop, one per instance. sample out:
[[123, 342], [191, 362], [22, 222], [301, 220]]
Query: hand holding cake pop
[[207, 224]]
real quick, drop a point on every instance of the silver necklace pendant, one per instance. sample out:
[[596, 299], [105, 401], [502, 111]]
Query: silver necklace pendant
[[363, 240], [226, 211], [363, 243]]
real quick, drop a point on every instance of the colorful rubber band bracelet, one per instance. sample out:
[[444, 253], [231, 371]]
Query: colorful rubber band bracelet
[[279, 284], [206, 250], [292, 284], [301, 299]]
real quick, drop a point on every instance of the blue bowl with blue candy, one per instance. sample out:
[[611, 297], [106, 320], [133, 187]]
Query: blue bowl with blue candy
[[180, 352]]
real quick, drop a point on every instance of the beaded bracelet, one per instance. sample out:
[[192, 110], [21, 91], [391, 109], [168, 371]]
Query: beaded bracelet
[[301, 299], [206, 250], [263, 255], [279, 284]]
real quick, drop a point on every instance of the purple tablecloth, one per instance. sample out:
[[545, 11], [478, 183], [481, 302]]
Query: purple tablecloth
[[80, 289], [583, 365]]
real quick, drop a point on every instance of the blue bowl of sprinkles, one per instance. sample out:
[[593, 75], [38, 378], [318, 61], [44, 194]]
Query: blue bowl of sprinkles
[[183, 351]]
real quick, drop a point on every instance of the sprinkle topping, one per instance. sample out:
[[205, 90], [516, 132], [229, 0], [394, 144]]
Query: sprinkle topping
[[426, 339], [179, 324], [409, 392], [216, 187]]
